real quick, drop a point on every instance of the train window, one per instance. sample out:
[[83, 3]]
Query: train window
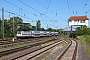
[[27, 32], [18, 32]]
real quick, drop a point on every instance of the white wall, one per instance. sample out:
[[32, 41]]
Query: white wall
[[78, 22]]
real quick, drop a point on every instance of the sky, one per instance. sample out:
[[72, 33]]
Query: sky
[[51, 13]]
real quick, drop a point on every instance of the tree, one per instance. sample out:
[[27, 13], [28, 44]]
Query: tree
[[42, 29], [82, 31], [49, 29], [38, 25], [25, 27], [14, 22], [7, 32], [33, 28]]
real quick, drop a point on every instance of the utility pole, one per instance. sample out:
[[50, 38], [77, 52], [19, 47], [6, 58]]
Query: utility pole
[[13, 24], [47, 26], [1, 27], [71, 32], [36, 25], [3, 23]]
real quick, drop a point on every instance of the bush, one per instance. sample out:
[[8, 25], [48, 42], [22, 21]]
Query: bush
[[87, 39], [82, 31]]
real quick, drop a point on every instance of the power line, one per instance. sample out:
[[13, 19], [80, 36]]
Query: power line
[[33, 9], [18, 7], [71, 7], [43, 5], [87, 11], [48, 6], [68, 6], [84, 6], [49, 3], [24, 16], [16, 14], [21, 11]]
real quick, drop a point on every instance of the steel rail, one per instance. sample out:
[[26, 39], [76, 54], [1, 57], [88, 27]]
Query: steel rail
[[64, 51], [74, 54]]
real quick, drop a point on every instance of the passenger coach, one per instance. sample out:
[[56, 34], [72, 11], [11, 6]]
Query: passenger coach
[[28, 34], [24, 34]]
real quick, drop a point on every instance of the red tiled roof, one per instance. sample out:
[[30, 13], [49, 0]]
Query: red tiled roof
[[78, 18]]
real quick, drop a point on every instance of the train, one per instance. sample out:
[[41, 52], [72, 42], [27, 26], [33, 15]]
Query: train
[[28, 34]]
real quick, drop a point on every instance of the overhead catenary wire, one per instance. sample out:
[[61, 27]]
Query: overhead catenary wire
[[48, 6], [73, 5], [42, 14], [20, 11], [22, 16], [68, 6], [16, 14], [43, 5], [71, 8], [33, 9], [85, 4], [36, 10], [87, 11], [18, 7]]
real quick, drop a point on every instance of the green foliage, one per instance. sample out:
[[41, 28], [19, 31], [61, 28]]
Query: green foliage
[[87, 38], [42, 29], [33, 28], [24, 27], [82, 31], [0, 28], [38, 25], [15, 24], [9, 31], [49, 29]]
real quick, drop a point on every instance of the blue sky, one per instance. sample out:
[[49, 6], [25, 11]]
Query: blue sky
[[51, 13]]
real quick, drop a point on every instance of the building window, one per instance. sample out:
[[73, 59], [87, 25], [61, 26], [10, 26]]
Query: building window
[[75, 21], [82, 21], [78, 20]]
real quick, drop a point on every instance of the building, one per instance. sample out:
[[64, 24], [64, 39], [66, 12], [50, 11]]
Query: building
[[78, 21]]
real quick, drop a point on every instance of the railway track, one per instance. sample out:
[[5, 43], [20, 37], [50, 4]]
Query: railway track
[[6, 52], [70, 52], [7, 43], [33, 54]]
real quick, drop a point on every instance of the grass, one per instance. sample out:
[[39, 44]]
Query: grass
[[87, 50], [16, 45], [85, 40]]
